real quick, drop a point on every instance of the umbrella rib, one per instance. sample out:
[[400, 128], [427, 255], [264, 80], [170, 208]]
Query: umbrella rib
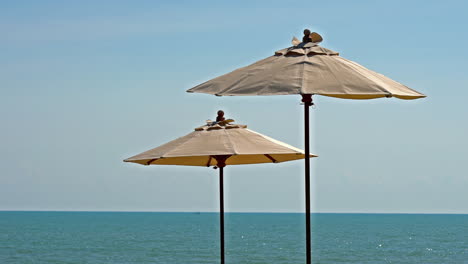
[[232, 145], [357, 65], [271, 158], [150, 161], [331, 71], [209, 161], [302, 74]]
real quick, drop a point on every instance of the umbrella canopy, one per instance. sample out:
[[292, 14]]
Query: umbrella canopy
[[220, 144], [200, 148], [307, 68]]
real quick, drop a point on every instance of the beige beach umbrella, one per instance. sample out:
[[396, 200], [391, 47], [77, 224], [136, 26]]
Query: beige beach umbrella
[[220, 144], [307, 69]]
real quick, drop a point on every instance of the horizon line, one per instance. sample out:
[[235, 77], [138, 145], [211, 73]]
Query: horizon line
[[235, 212]]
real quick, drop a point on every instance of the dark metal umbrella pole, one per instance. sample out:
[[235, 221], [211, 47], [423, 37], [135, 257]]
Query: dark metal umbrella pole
[[307, 100], [221, 159], [221, 212]]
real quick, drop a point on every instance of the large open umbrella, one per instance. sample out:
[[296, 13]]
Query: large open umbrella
[[220, 145], [306, 69]]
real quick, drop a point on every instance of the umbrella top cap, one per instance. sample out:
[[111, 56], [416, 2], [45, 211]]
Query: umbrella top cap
[[306, 49], [220, 123], [210, 125]]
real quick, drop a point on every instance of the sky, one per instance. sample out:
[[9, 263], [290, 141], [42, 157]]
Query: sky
[[86, 84]]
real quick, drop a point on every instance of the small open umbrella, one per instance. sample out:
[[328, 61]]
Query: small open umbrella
[[306, 69], [220, 144]]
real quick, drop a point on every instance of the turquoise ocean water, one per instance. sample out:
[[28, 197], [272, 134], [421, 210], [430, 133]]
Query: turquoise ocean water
[[251, 238]]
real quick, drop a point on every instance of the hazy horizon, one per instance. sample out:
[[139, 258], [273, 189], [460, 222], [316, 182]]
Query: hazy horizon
[[215, 212]]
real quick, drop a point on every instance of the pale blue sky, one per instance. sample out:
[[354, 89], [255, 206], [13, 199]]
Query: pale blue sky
[[85, 85]]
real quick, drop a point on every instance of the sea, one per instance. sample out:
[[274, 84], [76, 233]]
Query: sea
[[251, 238]]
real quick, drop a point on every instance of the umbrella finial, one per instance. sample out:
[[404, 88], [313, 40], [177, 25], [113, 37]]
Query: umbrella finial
[[219, 123], [220, 116], [311, 37], [306, 37]]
